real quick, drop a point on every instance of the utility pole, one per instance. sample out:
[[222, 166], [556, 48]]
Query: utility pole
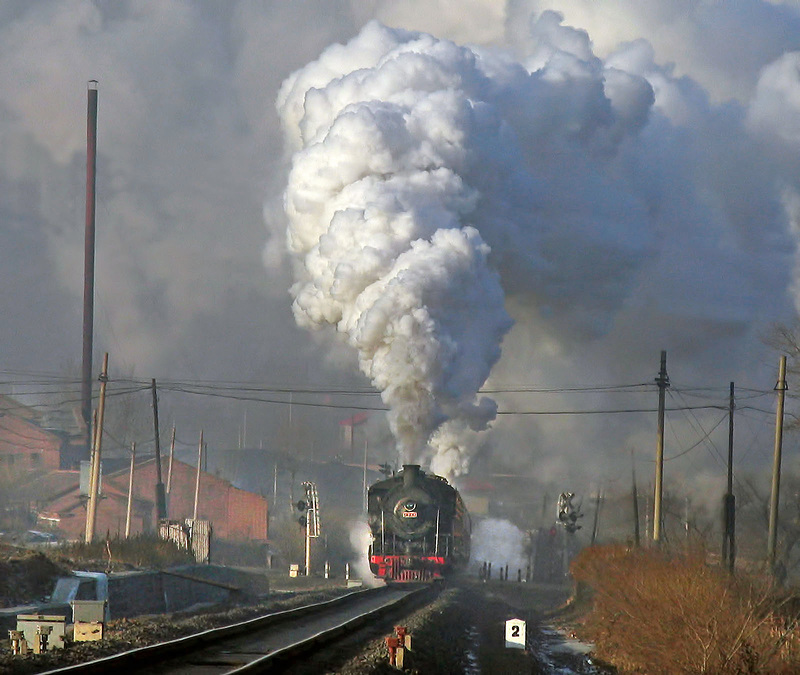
[[364, 487], [171, 460], [780, 387], [663, 382], [94, 484], [729, 501], [597, 502], [88, 266], [130, 492], [635, 495], [197, 476], [161, 500], [686, 523]]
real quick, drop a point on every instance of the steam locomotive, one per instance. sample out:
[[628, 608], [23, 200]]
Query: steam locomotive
[[420, 527]]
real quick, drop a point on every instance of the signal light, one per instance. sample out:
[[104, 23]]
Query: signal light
[[308, 510], [302, 508], [568, 513]]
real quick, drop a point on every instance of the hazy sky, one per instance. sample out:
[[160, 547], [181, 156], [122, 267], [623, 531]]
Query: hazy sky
[[655, 200]]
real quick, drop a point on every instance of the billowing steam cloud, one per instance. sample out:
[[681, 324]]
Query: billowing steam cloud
[[423, 171], [498, 542]]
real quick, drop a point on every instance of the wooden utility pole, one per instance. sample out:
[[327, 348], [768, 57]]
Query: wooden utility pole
[[197, 476], [161, 500], [780, 387], [130, 492], [91, 507], [171, 460], [729, 501], [663, 382]]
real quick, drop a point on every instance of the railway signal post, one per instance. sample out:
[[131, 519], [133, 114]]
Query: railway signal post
[[309, 518]]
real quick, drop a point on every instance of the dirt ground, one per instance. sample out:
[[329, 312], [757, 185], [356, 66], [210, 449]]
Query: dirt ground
[[27, 575]]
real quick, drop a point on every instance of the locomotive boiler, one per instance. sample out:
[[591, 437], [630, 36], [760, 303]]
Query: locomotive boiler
[[420, 527]]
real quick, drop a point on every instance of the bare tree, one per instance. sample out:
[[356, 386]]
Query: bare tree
[[785, 339]]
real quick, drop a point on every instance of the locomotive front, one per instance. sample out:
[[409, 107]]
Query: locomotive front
[[420, 528]]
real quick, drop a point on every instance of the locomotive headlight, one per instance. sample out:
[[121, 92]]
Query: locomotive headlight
[[408, 509]]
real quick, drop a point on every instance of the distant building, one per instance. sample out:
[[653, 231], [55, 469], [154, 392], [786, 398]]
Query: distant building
[[236, 515], [24, 443], [43, 452]]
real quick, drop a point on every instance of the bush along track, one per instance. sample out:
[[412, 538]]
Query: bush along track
[[656, 612]]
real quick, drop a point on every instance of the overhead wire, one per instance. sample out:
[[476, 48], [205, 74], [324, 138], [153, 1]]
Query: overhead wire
[[693, 420]]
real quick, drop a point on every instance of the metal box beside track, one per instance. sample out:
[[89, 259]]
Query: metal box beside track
[[33, 626]]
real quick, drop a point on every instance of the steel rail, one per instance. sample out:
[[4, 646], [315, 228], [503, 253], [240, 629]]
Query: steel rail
[[329, 635], [141, 656]]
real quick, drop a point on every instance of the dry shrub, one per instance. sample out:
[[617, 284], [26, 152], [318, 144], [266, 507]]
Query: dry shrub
[[142, 550], [656, 612]]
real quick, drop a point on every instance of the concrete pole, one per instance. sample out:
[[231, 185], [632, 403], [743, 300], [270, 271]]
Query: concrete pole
[[130, 493], [197, 478], [663, 382], [780, 387], [91, 507]]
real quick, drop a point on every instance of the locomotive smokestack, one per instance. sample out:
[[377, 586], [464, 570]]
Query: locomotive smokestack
[[410, 474]]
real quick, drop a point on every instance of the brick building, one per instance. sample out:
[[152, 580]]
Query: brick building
[[235, 515], [24, 443]]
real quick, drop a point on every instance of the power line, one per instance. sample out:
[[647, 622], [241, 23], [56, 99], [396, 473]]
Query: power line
[[692, 421], [607, 411]]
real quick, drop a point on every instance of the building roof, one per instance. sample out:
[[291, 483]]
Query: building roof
[[41, 487], [14, 407]]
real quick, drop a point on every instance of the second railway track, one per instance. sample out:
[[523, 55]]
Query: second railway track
[[260, 644]]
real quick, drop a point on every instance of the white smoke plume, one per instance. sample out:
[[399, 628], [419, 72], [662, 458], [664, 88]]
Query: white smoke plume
[[415, 185], [498, 542], [633, 169]]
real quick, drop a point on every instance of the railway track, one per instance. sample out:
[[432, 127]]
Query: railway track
[[260, 644]]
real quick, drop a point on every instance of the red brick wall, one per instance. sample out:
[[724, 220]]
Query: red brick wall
[[234, 514], [25, 446]]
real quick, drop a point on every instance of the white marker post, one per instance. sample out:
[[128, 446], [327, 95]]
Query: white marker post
[[515, 634]]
